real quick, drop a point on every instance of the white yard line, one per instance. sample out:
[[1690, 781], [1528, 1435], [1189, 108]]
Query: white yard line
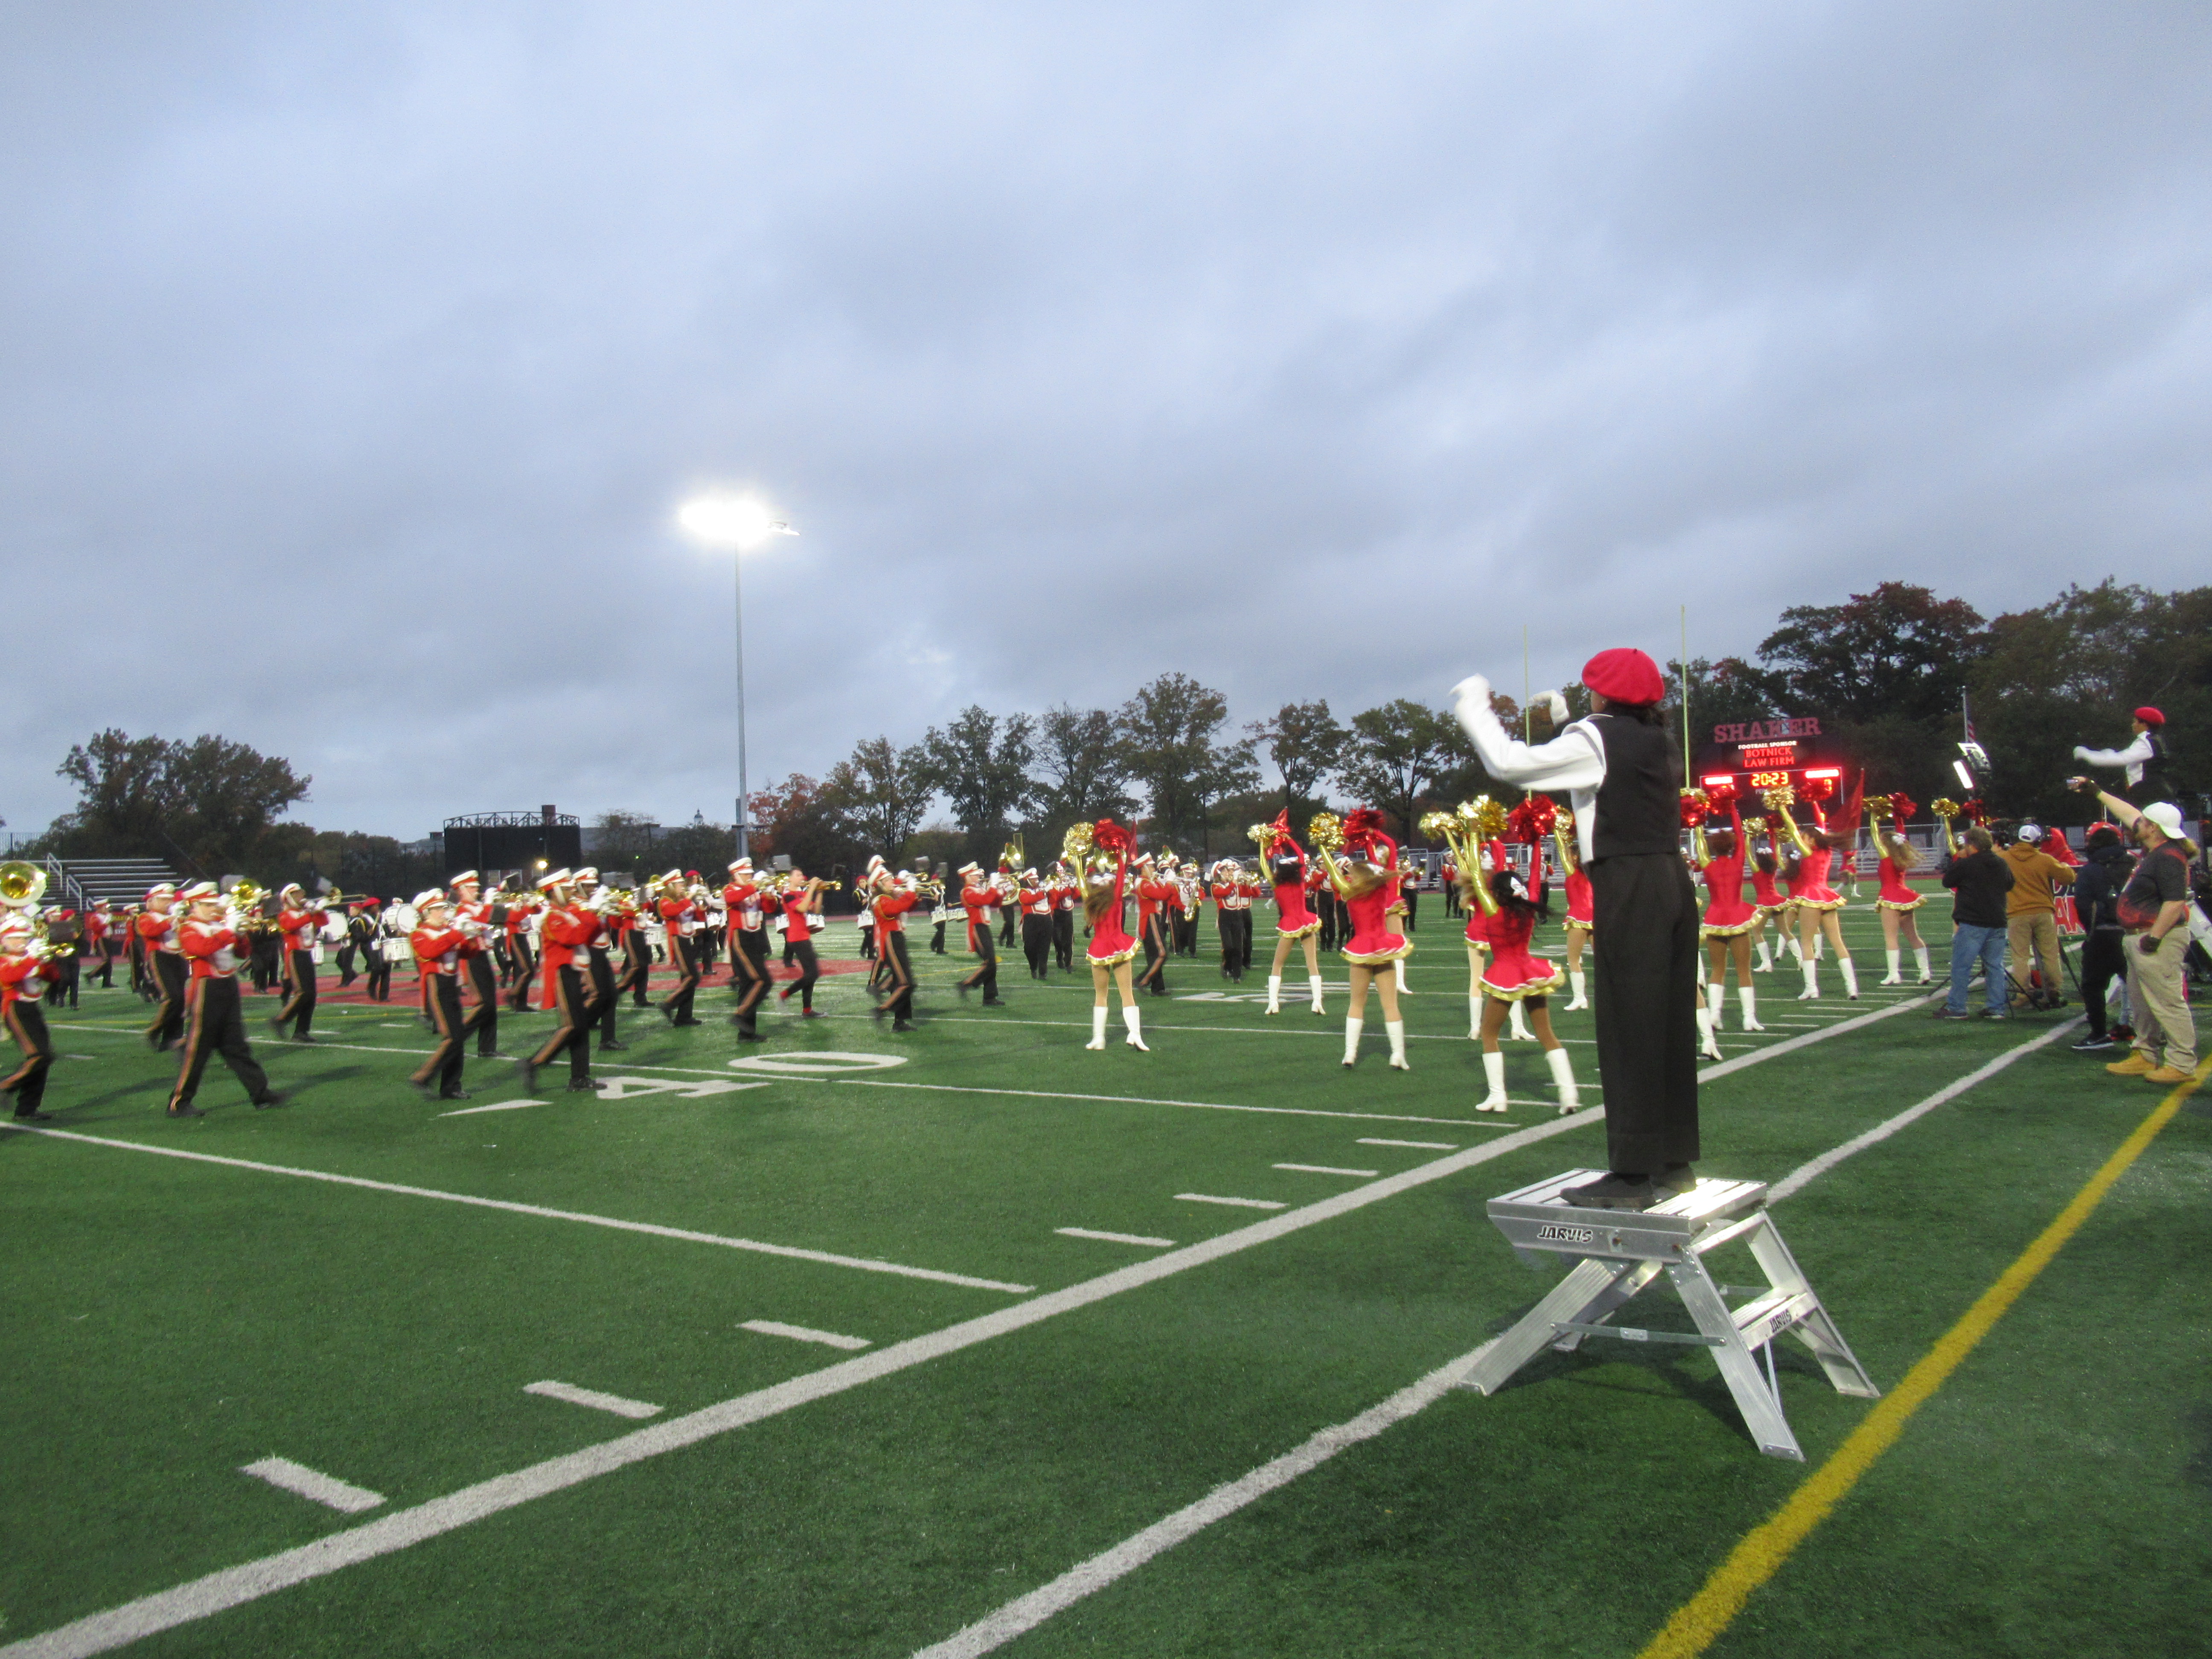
[[1326, 1168], [1424, 1146], [793, 1251], [500, 1106], [594, 1399], [302, 1482], [1240, 1203], [803, 1333], [1143, 1100], [1118, 1238]]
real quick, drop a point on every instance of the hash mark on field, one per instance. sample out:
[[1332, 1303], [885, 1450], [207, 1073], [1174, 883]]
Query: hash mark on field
[[1241, 1203], [500, 1106], [802, 1334], [1116, 1238], [593, 1398], [1327, 1168], [304, 1482], [1424, 1146]]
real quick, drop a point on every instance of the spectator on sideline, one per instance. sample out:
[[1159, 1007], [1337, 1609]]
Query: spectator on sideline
[[2153, 910], [2097, 887], [1979, 880], [2031, 910]]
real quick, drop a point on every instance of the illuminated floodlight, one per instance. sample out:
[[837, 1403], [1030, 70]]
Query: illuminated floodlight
[[1965, 778], [738, 522]]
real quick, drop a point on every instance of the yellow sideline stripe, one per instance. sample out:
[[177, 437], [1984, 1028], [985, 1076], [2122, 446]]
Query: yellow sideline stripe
[[1698, 1622]]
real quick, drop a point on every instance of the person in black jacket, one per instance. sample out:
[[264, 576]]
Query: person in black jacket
[[1979, 880], [2096, 898]]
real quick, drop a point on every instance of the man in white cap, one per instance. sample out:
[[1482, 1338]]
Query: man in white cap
[[301, 928], [2153, 912], [489, 921], [748, 975], [442, 943], [980, 897], [216, 1025], [565, 934]]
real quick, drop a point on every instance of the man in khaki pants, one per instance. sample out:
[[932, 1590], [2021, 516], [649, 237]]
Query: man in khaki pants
[[2153, 910], [2032, 911]]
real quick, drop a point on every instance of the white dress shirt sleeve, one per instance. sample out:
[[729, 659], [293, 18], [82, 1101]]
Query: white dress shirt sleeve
[[1574, 761]]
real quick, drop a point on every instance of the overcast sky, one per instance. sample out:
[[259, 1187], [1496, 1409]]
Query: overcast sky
[[355, 359]]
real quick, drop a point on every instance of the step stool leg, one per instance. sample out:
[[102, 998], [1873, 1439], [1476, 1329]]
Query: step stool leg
[[1603, 1305], [1817, 1330], [1534, 1333], [1762, 1413]]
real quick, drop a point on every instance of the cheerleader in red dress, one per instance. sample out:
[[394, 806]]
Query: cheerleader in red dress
[[1478, 946], [1581, 913], [1765, 896], [1729, 922], [1367, 880], [2069, 915], [1512, 977], [1818, 905], [1287, 872], [1101, 852], [1896, 902]]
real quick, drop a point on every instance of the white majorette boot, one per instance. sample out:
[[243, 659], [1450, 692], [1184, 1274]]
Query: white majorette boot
[[1578, 985], [1474, 1016], [1563, 1078], [1706, 1046], [1516, 1022], [1398, 972], [1097, 1029], [1812, 982], [1274, 993], [1716, 994], [1765, 962], [1313, 981], [1136, 1037], [1352, 1029], [1493, 1072], [1796, 946], [1920, 955], [1896, 974], [1819, 947], [1748, 999], [1395, 1031], [1851, 973]]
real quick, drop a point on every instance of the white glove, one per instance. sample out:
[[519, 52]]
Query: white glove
[[1556, 704], [1471, 692], [2080, 752]]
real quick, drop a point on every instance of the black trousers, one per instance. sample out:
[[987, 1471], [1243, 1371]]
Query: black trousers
[[572, 1029], [71, 966], [1154, 978], [1007, 926], [105, 951], [637, 968], [2104, 959], [26, 1023], [217, 1025], [986, 959], [299, 1009], [748, 974], [169, 1025], [1037, 944], [380, 972], [937, 940], [525, 971], [898, 975], [445, 1061], [1236, 928], [483, 978], [345, 964], [1645, 981], [604, 999], [1063, 939], [810, 970]]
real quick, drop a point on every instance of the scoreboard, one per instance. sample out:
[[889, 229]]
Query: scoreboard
[[1773, 754]]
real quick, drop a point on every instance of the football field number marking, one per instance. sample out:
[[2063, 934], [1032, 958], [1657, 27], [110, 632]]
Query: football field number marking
[[804, 1334], [304, 1482], [591, 1397]]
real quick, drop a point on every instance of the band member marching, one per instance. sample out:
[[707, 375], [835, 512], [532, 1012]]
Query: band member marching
[[1066, 891], [1283, 861], [157, 929], [1099, 853], [522, 956], [801, 899], [566, 932], [599, 904], [981, 897], [214, 1022], [748, 948], [888, 904], [1154, 895], [1035, 900], [489, 921], [681, 916], [635, 979], [26, 970], [442, 941], [301, 928], [1232, 916]]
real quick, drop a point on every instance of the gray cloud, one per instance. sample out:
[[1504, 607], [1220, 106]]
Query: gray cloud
[[1308, 350]]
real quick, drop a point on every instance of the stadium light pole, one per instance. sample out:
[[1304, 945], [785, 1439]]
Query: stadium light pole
[[737, 524]]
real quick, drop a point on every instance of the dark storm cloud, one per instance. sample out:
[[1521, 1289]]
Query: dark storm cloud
[[1309, 351]]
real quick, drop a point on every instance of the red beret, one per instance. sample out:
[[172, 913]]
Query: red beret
[[1624, 674], [2150, 717]]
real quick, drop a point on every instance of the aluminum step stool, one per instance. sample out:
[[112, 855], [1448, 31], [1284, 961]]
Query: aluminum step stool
[[1618, 1252]]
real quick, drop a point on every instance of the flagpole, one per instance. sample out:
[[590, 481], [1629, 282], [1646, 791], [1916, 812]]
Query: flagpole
[[1684, 664]]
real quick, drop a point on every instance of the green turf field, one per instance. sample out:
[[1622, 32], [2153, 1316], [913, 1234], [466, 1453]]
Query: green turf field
[[1005, 1402]]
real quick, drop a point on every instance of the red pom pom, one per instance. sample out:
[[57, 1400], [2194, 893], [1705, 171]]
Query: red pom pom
[[1902, 807], [1111, 836], [1721, 791], [1362, 821]]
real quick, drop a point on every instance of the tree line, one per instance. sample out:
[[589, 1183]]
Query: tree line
[[1893, 675]]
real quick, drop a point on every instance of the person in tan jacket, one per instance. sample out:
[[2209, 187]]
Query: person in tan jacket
[[2032, 909]]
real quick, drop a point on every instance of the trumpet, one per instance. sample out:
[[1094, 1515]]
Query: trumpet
[[22, 885]]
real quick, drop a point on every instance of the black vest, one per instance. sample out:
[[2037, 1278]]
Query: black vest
[[1639, 810]]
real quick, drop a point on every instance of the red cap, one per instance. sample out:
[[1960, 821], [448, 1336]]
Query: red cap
[[1624, 674], [2150, 717]]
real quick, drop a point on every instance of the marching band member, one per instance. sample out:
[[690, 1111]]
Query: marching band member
[[680, 915], [522, 911], [156, 931], [301, 928], [487, 923], [1288, 873], [1728, 921], [565, 933], [379, 956], [892, 897], [598, 903], [801, 899], [1321, 900], [1100, 854], [1232, 916], [1818, 905], [100, 936], [1153, 896], [1896, 901], [25, 973], [1066, 891], [1036, 903], [1513, 976], [1624, 775], [635, 980], [1190, 901], [1367, 882], [980, 898], [748, 945], [1005, 882], [215, 1023], [442, 942]]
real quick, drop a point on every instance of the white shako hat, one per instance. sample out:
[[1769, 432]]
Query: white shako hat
[[160, 887], [430, 895], [200, 890], [15, 923], [553, 879], [466, 876]]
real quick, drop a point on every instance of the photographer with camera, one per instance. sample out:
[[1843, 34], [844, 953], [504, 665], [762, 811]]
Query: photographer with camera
[[2154, 914]]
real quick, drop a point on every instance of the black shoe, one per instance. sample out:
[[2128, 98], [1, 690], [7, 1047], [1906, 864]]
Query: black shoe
[[186, 1110], [1672, 1182], [153, 1041], [784, 995], [1945, 1014], [529, 1075], [1614, 1192], [582, 1085], [302, 1036], [687, 1020], [2092, 1045], [1995, 1014], [963, 987], [267, 1100], [994, 1002], [428, 1091], [35, 1117], [812, 1013], [665, 1013], [902, 1025], [452, 1093], [276, 1026], [609, 1046]]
